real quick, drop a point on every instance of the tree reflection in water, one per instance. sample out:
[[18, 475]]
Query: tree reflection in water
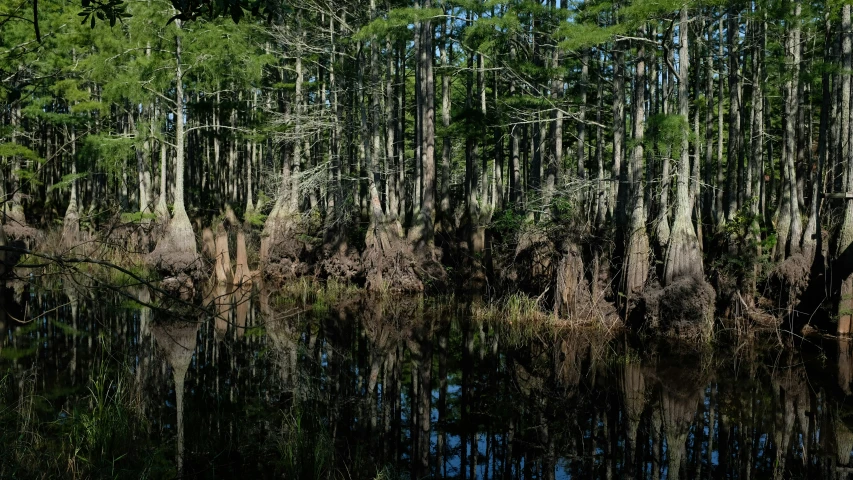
[[273, 386]]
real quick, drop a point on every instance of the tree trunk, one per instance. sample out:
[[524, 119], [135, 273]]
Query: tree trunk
[[444, 193], [584, 80], [176, 252], [683, 258], [733, 151], [390, 139], [618, 131], [424, 231], [637, 256], [845, 238], [719, 206], [789, 226], [277, 238], [71, 222]]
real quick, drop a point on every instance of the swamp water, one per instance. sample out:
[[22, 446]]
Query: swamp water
[[261, 385]]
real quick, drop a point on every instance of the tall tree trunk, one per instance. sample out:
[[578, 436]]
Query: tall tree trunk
[[516, 187], [733, 159], [637, 257], [390, 137], [789, 226], [618, 132], [719, 206], [71, 222], [162, 209], [555, 132], [424, 230], [584, 80], [845, 238], [283, 219], [663, 232], [683, 258], [756, 160], [444, 186], [812, 239], [176, 252]]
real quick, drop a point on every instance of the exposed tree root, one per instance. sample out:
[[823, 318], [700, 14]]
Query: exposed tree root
[[208, 244], [70, 227], [789, 279], [222, 266], [572, 289], [340, 261], [684, 308], [242, 274], [16, 228], [388, 260], [176, 252], [533, 266], [284, 253]]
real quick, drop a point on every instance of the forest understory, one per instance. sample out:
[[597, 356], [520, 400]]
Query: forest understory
[[658, 166]]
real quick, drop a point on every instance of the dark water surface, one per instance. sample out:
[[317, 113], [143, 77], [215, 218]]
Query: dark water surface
[[266, 385]]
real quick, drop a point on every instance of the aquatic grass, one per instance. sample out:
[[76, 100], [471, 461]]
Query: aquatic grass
[[103, 433], [303, 446], [320, 295], [518, 316], [25, 451]]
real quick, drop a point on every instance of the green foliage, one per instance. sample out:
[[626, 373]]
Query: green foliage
[[256, 218], [666, 131], [755, 244], [563, 208], [28, 176], [8, 150], [67, 181], [396, 21], [579, 36], [103, 10], [110, 152], [137, 217], [508, 223]]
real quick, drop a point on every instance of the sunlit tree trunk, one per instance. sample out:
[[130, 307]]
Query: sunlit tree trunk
[[683, 257], [637, 256]]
